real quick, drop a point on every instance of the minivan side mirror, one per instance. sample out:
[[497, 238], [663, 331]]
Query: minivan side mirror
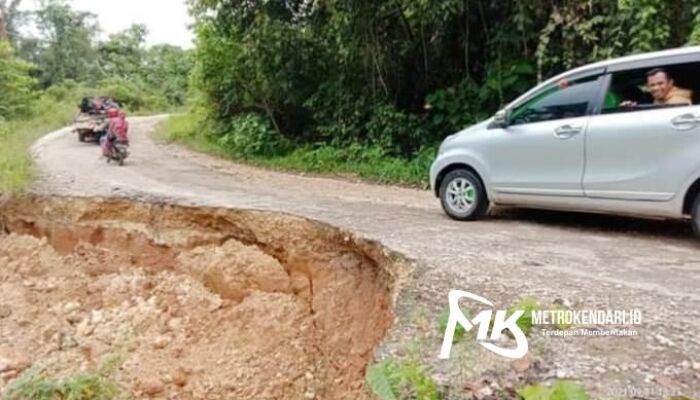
[[501, 119]]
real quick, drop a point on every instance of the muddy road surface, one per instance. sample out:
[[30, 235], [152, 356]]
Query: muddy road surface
[[578, 261]]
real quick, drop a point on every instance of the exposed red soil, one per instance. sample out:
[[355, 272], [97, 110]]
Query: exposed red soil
[[195, 303]]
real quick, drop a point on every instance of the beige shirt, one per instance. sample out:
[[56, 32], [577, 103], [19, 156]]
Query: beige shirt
[[678, 96]]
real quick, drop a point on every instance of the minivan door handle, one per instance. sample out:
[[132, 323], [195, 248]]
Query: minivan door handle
[[567, 131], [686, 122]]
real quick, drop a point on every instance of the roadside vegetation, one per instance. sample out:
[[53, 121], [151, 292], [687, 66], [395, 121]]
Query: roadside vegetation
[[17, 135], [52, 57], [354, 160], [82, 387], [96, 385], [394, 380], [397, 380], [370, 88]]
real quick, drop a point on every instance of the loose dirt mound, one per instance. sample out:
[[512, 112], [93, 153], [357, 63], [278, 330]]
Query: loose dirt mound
[[193, 303]]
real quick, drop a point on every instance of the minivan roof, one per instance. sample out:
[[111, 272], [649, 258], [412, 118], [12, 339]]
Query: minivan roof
[[639, 57], [616, 62]]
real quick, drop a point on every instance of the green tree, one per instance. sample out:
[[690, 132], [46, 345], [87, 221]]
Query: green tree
[[9, 19], [695, 34], [401, 74], [168, 68], [15, 83], [65, 49], [123, 54]]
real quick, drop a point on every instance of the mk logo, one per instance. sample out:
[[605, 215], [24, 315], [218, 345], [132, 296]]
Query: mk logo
[[483, 321]]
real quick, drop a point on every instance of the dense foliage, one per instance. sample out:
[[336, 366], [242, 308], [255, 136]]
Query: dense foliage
[[15, 83], [400, 74], [60, 45]]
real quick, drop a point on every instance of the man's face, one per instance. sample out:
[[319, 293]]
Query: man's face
[[659, 86]]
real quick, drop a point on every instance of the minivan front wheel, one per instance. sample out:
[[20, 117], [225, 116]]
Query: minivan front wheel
[[463, 196], [696, 216]]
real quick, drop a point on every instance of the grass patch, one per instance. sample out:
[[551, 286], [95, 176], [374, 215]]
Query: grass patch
[[444, 318], [16, 136], [527, 305], [356, 160], [187, 129], [559, 390], [95, 386]]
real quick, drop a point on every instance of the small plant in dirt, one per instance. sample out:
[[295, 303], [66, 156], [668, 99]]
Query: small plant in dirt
[[396, 380], [444, 317], [34, 385], [528, 305], [559, 390]]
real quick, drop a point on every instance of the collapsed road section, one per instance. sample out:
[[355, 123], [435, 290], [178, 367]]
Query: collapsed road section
[[190, 302]]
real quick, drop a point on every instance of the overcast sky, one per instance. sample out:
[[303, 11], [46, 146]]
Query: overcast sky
[[167, 20]]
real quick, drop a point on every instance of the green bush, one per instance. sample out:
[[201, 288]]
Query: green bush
[[444, 317], [16, 136], [260, 145], [66, 90], [81, 387], [695, 34], [33, 385], [393, 380], [363, 161], [250, 135], [134, 95], [15, 83], [396, 132], [339, 118], [528, 305]]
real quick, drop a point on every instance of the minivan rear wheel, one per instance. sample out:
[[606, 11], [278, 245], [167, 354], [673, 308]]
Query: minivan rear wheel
[[696, 216], [463, 196]]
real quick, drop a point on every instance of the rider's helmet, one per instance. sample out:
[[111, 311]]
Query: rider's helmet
[[113, 113]]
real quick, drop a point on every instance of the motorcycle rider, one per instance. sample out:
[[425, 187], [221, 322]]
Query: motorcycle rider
[[118, 130]]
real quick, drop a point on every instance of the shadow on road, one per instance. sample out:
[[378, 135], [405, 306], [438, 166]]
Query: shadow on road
[[665, 229]]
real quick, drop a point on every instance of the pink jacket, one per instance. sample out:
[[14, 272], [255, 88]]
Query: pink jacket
[[120, 128]]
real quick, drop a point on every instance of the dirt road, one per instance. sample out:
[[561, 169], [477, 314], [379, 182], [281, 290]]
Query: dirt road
[[583, 261]]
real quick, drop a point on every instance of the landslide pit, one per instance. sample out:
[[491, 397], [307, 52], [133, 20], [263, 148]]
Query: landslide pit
[[194, 303]]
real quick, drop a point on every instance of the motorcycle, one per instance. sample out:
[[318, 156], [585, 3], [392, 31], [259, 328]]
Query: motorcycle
[[115, 144], [120, 151], [117, 152]]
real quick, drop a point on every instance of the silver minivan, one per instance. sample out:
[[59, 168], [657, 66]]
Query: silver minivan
[[620, 136]]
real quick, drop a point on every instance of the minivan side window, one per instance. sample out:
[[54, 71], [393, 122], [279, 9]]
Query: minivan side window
[[566, 99], [661, 86]]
